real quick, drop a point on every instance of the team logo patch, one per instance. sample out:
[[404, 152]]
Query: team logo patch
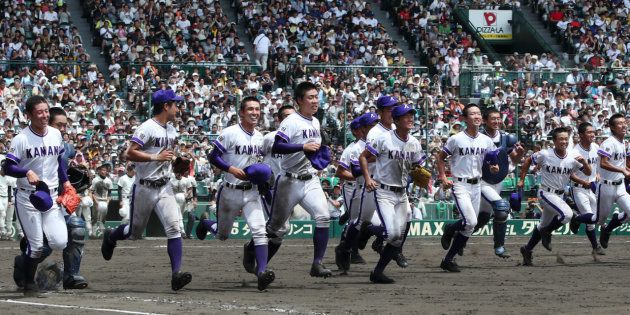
[[221, 138], [142, 135], [11, 149]]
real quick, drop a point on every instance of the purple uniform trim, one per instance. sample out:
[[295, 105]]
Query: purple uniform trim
[[553, 206], [446, 150], [604, 153], [138, 141], [534, 159], [216, 159], [282, 135], [422, 159], [219, 146], [12, 169], [13, 158], [371, 150], [280, 146], [344, 165], [62, 172]]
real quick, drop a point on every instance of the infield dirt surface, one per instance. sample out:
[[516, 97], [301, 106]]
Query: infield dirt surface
[[137, 280]]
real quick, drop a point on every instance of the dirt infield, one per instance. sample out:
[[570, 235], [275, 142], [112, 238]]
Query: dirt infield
[[137, 280]]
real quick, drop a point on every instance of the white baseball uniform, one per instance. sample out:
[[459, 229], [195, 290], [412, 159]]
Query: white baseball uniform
[[555, 175], [584, 198], [466, 155], [152, 190], [305, 190], [125, 183], [352, 190], [394, 158], [611, 187], [85, 210], [273, 160], [7, 184], [41, 154], [183, 195], [240, 149], [100, 189]]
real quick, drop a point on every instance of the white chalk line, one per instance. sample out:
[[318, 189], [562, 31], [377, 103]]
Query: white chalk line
[[111, 310]]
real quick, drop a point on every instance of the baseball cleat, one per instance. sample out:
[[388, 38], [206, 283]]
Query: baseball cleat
[[18, 271], [527, 256], [180, 280], [447, 236], [342, 258], [364, 235], [599, 251], [201, 230], [449, 266], [343, 219], [249, 259], [377, 245], [320, 271], [604, 236], [379, 277], [545, 238], [401, 260], [460, 251], [265, 278], [75, 283], [107, 246], [31, 290], [356, 259], [501, 252], [574, 225]]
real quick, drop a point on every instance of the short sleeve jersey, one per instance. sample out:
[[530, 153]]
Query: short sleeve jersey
[[101, 186], [616, 152], [376, 131], [240, 148], [125, 183], [298, 129], [153, 138], [592, 157], [39, 153], [466, 153], [273, 160], [394, 157], [555, 171]]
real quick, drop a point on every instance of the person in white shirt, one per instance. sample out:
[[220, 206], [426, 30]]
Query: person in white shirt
[[555, 165], [125, 183], [261, 49], [7, 183]]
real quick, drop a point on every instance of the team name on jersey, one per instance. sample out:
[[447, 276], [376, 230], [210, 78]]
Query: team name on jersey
[[310, 133], [399, 155], [557, 170], [164, 142], [248, 149], [592, 160], [617, 156], [46, 150], [472, 151]]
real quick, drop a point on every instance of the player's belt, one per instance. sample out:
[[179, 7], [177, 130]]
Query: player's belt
[[472, 181], [244, 186], [553, 191], [154, 183], [614, 183], [52, 190], [299, 176], [395, 189]]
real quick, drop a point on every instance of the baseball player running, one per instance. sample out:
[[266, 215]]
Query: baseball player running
[[125, 183], [394, 153], [614, 166], [298, 138], [466, 152], [236, 148], [35, 160], [491, 184], [369, 220], [555, 166], [348, 171], [152, 150], [268, 197], [584, 186], [99, 191]]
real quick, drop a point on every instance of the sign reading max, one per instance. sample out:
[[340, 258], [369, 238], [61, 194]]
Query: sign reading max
[[492, 24]]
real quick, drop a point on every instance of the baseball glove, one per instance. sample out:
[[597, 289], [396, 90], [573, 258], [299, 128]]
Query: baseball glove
[[420, 176], [69, 199], [181, 165]]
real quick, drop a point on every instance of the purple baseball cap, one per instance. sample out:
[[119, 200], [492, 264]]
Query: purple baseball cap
[[320, 158], [163, 96], [258, 173], [40, 198], [402, 110], [355, 123], [386, 101], [368, 119]]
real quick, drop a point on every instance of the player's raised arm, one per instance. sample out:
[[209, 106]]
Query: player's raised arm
[[586, 168], [135, 154], [524, 169]]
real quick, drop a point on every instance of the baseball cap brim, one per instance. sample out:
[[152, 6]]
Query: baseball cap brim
[[402, 112]]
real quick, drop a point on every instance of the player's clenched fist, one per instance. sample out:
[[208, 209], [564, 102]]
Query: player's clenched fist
[[238, 173], [446, 183], [166, 155], [33, 179], [311, 147], [370, 184]]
